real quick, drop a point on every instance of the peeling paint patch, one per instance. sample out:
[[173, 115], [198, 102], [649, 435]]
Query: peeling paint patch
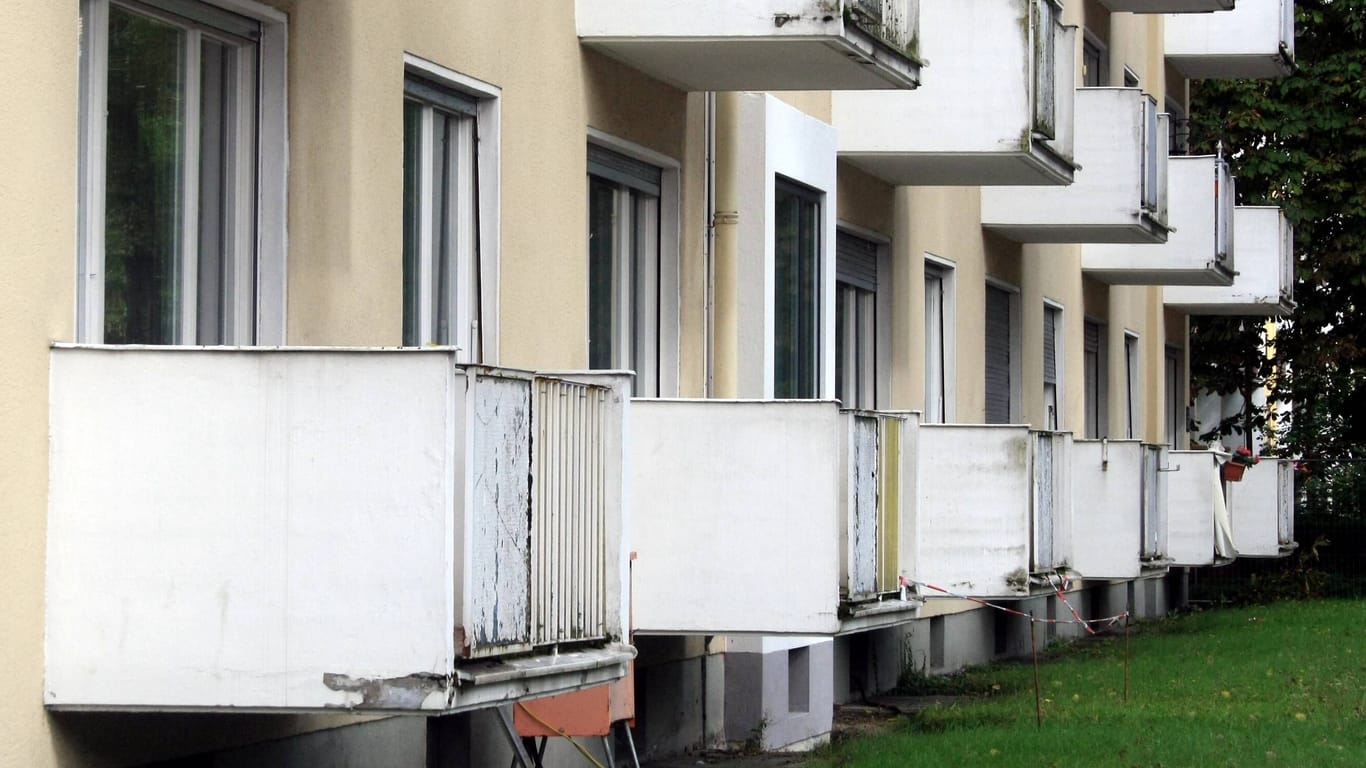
[[407, 692]]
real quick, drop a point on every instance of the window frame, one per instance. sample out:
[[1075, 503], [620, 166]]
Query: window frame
[[822, 276], [1015, 341], [666, 341], [946, 272], [879, 330], [1053, 313], [1133, 426], [1097, 389], [1090, 42], [481, 313], [1173, 378], [258, 269]]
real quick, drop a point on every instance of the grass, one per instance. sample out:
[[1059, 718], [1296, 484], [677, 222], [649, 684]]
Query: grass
[[1281, 684]]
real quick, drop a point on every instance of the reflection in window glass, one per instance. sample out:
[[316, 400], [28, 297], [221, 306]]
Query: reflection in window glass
[[796, 300], [143, 168]]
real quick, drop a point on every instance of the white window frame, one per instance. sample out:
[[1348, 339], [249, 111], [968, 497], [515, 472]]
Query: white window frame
[[1101, 393], [1102, 63], [1016, 354], [1133, 421], [667, 343], [258, 254], [882, 309], [1053, 311], [1173, 377], [946, 271], [482, 326]]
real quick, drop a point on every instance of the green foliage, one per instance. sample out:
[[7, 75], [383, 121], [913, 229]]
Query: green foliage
[[1281, 684], [1300, 143]]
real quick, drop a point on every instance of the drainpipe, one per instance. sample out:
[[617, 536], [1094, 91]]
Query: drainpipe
[[709, 243]]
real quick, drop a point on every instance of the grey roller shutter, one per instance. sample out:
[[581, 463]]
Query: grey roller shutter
[[1050, 348], [614, 166], [998, 356], [856, 261]]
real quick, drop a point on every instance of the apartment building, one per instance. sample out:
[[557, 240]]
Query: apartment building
[[374, 371]]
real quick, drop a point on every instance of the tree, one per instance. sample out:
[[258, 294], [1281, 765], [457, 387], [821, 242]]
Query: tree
[[1300, 143]]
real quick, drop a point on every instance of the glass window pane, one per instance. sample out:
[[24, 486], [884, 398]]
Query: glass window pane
[[644, 319], [796, 293], [144, 171], [602, 249], [412, 208]]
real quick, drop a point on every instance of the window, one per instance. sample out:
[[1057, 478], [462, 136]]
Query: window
[[938, 342], [1176, 402], [796, 286], [1094, 374], [1131, 416], [624, 266], [856, 320], [182, 130], [440, 216], [1052, 362], [1002, 358], [1093, 63], [1178, 139]]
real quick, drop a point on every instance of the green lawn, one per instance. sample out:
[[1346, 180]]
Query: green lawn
[[1283, 684]]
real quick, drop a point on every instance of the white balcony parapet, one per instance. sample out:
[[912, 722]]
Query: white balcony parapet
[[1119, 494], [307, 529], [1119, 193], [759, 45], [1254, 39], [1264, 283], [1263, 505], [975, 120], [1168, 6], [1200, 245], [769, 516], [995, 512], [1199, 528]]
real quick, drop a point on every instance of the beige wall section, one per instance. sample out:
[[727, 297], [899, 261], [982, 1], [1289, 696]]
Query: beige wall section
[[37, 276], [346, 90], [863, 200], [1052, 273]]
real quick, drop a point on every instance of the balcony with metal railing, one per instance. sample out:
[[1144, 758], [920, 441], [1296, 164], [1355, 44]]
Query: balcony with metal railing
[[975, 120], [1200, 246], [1263, 505], [1119, 506], [1005, 531], [1119, 193], [302, 529], [1264, 283], [1199, 527], [760, 45], [1254, 39], [769, 516]]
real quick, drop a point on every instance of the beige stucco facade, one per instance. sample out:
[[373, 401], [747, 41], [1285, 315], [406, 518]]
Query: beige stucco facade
[[344, 225]]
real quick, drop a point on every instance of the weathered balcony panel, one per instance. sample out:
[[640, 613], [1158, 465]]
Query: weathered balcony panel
[[975, 121], [1263, 505], [759, 45], [1254, 39], [1156, 466], [287, 530], [877, 498], [766, 517], [1199, 528], [1264, 250], [1200, 245], [995, 507], [1168, 6], [1107, 519], [1118, 194]]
